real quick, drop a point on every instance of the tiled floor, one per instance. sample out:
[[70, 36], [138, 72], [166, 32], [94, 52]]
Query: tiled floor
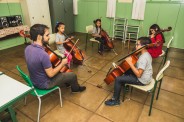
[[89, 105]]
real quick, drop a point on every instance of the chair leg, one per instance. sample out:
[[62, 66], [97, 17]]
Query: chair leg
[[12, 114], [124, 93], [159, 90], [161, 64], [152, 98], [131, 89], [25, 100], [39, 108], [130, 96], [61, 104]]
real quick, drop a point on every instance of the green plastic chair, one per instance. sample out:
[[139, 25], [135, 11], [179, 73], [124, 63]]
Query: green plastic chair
[[151, 88], [38, 92]]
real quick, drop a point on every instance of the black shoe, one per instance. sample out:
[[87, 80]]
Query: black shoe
[[81, 89], [100, 52], [112, 102], [67, 85]]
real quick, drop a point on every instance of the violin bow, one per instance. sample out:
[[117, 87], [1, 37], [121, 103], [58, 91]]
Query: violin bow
[[132, 53], [72, 48]]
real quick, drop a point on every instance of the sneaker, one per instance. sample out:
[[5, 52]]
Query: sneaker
[[67, 85], [100, 52], [112, 102], [81, 89]]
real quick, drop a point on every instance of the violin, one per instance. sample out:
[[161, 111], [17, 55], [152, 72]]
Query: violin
[[161, 31], [23, 34], [164, 30], [108, 42], [77, 54], [123, 66]]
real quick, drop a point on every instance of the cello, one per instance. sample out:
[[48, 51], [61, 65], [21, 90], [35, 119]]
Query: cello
[[123, 66], [77, 54], [108, 42], [55, 59]]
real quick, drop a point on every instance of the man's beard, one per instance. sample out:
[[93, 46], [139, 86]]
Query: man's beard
[[44, 42]]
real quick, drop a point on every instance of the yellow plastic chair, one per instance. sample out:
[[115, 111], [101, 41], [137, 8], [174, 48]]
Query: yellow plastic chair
[[38, 92], [89, 30], [52, 41]]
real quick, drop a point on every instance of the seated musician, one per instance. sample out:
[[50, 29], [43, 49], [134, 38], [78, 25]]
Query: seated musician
[[61, 39], [157, 37], [42, 74], [96, 34], [141, 74]]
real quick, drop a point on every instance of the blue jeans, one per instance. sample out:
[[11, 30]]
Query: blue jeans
[[128, 78], [102, 42]]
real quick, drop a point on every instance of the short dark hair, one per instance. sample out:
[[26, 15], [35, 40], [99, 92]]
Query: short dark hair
[[144, 40], [37, 29], [57, 25]]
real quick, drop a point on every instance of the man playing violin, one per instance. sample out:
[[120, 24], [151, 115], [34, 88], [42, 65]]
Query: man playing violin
[[42, 74], [141, 74]]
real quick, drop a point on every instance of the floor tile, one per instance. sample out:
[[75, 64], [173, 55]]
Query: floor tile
[[97, 118], [96, 63], [137, 95], [68, 113], [83, 72], [175, 72], [173, 85], [97, 79], [89, 99], [22, 118], [176, 54], [128, 111], [169, 102], [48, 103], [157, 116]]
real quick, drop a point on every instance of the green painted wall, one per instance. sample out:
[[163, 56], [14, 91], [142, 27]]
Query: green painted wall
[[8, 9], [163, 12]]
